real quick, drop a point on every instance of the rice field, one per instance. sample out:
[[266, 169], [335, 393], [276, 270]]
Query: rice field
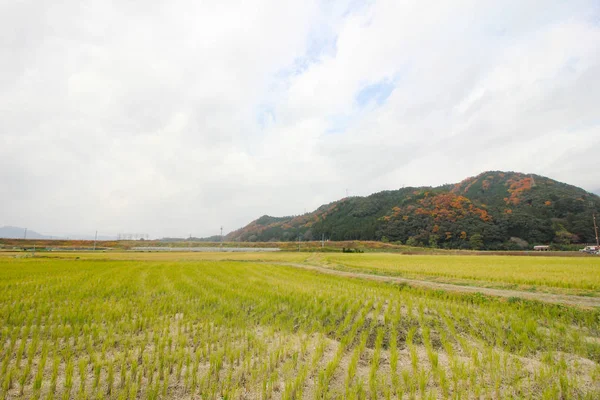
[[563, 275], [156, 326], [572, 275]]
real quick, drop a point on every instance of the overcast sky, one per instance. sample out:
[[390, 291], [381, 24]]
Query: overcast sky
[[176, 117]]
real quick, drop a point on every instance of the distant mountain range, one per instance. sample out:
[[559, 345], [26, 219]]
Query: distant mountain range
[[493, 210], [14, 232]]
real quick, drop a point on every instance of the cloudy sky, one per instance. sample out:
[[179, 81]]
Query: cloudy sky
[[176, 117]]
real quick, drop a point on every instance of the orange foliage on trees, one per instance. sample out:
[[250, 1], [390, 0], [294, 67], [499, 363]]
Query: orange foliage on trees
[[450, 207], [465, 182], [470, 185], [516, 188], [442, 207]]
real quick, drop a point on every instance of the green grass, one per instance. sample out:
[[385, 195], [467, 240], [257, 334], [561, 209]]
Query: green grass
[[191, 328]]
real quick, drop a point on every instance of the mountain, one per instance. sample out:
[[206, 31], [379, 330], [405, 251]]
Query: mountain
[[493, 210], [13, 232]]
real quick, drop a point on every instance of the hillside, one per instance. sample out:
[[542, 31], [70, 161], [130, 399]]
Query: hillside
[[494, 210]]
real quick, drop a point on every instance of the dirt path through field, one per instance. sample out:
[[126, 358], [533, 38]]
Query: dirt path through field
[[571, 300]]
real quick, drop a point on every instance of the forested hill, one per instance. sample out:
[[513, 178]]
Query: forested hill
[[494, 210]]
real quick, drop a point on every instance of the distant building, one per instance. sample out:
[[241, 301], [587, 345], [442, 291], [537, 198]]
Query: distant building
[[590, 249], [541, 248]]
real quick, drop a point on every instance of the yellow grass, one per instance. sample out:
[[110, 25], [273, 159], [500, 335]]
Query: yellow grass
[[569, 275], [581, 273]]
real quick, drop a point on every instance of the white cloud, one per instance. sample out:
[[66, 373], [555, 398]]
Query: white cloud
[[178, 117]]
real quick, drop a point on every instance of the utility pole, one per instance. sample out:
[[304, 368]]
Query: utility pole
[[298, 242], [221, 245], [322, 240], [596, 229], [95, 239]]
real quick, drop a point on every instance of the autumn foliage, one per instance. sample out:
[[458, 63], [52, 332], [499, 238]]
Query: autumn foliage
[[443, 207], [516, 188]]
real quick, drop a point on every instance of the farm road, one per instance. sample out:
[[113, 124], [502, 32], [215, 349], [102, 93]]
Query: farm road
[[580, 301]]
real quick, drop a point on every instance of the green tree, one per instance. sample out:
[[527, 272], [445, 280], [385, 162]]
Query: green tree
[[564, 237], [476, 241], [412, 242], [433, 241]]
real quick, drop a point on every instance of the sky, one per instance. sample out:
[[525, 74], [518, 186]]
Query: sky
[[174, 118]]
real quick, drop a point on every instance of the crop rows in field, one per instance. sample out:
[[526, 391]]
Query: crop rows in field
[[144, 329], [561, 275]]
